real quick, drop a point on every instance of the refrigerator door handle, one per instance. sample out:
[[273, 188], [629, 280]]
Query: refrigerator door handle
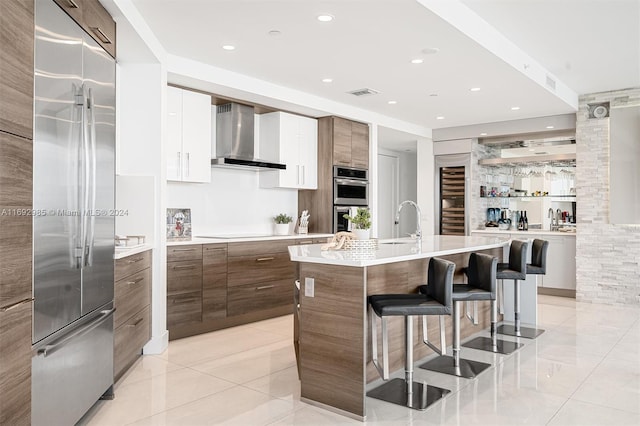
[[77, 141], [91, 190], [84, 181], [58, 344]]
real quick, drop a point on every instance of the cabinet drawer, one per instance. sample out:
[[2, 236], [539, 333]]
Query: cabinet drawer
[[214, 281], [184, 308], [183, 277], [74, 8], [260, 248], [129, 339], [254, 297], [131, 264], [190, 252], [214, 258], [131, 295], [261, 268], [100, 26]]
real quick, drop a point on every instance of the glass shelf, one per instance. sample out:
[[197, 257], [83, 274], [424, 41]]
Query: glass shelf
[[533, 196]]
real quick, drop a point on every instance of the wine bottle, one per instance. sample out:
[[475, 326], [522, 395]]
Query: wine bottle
[[521, 222], [526, 222]]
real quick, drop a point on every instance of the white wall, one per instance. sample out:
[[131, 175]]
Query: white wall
[[426, 184], [232, 203], [407, 189]]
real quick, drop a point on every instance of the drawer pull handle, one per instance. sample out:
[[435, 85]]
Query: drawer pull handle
[[264, 287], [72, 4], [264, 259], [216, 248], [15, 305], [135, 324], [135, 281], [184, 249], [135, 260], [184, 267], [101, 35]]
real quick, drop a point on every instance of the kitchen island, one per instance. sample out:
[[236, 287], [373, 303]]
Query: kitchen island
[[334, 363]]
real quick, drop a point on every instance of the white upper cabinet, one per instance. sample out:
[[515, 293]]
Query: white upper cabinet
[[188, 136], [292, 140]]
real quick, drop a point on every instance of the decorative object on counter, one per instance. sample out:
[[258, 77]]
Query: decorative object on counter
[[504, 223], [178, 224], [303, 225], [361, 245], [361, 223], [282, 223], [129, 241], [492, 217], [338, 241]]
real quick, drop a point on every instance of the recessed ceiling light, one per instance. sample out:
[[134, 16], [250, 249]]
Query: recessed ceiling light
[[229, 47], [417, 61], [483, 134], [274, 33], [515, 108], [440, 117], [474, 89], [392, 102], [550, 127], [325, 18], [430, 50], [433, 95], [327, 80]]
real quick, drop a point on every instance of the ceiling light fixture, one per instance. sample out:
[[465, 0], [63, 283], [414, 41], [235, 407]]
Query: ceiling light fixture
[[440, 117], [483, 134], [325, 18], [392, 102], [430, 50], [229, 47], [474, 89], [550, 127], [274, 33], [417, 61], [515, 108], [433, 95], [327, 80]]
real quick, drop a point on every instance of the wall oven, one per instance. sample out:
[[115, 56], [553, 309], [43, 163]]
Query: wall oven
[[341, 224], [350, 186]]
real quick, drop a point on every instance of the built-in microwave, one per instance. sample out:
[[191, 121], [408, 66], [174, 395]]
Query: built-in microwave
[[350, 186]]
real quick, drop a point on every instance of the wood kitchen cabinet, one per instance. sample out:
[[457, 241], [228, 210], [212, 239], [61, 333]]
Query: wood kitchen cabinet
[[292, 140], [16, 67], [188, 136], [350, 143], [214, 281], [94, 19], [184, 285], [132, 318]]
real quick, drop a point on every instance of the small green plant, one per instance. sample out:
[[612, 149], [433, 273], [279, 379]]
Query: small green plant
[[282, 218], [362, 219]]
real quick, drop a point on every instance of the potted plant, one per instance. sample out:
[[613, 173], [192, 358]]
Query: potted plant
[[282, 223], [361, 223]]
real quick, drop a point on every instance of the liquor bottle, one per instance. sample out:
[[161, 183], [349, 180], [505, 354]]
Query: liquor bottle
[[526, 222], [521, 222]]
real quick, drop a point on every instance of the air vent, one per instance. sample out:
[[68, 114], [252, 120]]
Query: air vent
[[364, 92], [224, 108], [551, 83]]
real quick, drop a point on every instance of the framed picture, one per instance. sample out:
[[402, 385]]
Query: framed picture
[[178, 224]]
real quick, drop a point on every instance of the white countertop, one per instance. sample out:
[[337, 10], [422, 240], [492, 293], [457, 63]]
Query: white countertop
[[128, 251], [406, 249], [524, 233], [241, 239]]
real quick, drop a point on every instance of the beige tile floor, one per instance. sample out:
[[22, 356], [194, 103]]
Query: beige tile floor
[[584, 370]]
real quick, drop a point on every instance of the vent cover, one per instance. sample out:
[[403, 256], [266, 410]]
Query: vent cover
[[600, 110], [224, 108], [364, 92]]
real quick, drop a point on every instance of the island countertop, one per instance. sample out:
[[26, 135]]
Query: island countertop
[[396, 250]]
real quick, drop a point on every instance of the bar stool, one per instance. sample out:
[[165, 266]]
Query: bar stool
[[538, 266], [516, 270], [436, 301], [481, 285]]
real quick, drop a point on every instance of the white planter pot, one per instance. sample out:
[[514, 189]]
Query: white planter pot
[[362, 234], [282, 228]]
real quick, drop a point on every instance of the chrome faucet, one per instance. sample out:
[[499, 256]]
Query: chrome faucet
[[418, 215]]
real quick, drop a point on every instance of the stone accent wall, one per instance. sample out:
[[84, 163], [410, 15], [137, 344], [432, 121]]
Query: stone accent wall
[[607, 256], [478, 210]]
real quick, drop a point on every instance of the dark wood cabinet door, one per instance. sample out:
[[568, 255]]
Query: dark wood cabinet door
[[256, 269], [73, 8], [15, 365], [255, 297], [214, 281], [360, 145], [341, 141], [183, 309], [128, 340], [131, 264], [184, 277], [132, 294], [186, 252], [98, 23], [16, 67]]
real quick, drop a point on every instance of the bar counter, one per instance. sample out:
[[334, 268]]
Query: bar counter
[[333, 359]]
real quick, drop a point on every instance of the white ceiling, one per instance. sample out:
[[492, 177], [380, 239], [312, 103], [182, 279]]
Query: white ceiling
[[590, 45]]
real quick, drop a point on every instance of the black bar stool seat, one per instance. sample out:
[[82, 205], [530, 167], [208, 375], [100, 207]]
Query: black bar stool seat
[[407, 305]]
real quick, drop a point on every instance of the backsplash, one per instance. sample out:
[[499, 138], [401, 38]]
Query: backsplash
[[232, 203]]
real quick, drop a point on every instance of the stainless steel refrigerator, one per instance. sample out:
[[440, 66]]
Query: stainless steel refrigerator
[[73, 226]]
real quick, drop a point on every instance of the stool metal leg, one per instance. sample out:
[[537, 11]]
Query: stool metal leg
[[516, 330], [408, 393], [454, 365], [493, 344]]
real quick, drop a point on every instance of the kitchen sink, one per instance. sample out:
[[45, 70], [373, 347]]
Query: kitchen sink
[[398, 242]]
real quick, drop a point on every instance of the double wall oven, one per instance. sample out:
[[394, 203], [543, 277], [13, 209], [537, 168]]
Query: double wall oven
[[350, 191]]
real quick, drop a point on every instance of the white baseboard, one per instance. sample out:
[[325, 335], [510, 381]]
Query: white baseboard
[[157, 344]]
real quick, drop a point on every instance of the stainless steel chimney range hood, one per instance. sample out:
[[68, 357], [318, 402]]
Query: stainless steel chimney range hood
[[235, 140]]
